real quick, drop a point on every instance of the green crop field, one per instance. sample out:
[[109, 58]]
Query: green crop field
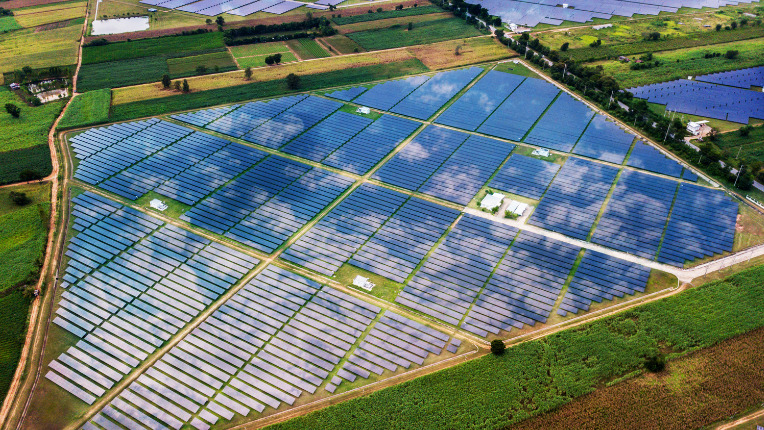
[[34, 158], [8, 23], [308, 49], [538, 376], [31, 128], [258, 49], [186, 66], [12, 327], [424, 10], [422, 33], [259, 61], [89, 108], [121, 73], [170, 46], [23, 230], [751, 146], [44, 49], [344, 45]]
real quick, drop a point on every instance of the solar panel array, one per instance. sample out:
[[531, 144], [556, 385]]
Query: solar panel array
[[525, 176], [743, 78], [386, 95], [436, 92], [702, 224], [636, 214], [331, 242], [453, 275], [561, 125], [323, 139], [689, 175], [704, 99], [519, 112], [396, 249], [602, 277], [649, 158], [130, 284], [348, 94], [247, 117], [604, 140], [200, 118], [525, 286], [479, 102], [234, 7], [573, 200]]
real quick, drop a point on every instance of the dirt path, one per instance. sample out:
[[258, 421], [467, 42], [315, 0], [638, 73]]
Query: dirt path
[[743, 420]]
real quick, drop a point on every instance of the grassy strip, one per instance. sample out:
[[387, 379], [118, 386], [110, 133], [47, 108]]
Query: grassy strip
[[271, 88], [542, 375], [258, 49], [186, 66], [169, 46], [8, 23], [12, 326], [422, 33], [121, 73], [424, 10], [88, 108], [35, 158], [30, 129]]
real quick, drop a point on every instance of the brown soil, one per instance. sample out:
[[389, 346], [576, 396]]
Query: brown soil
[[15, 4], [738, 224], [52, 26]]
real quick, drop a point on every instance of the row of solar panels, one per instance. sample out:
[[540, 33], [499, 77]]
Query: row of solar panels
[[743, 78], [234, 7]]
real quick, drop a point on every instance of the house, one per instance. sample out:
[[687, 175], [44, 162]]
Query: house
[[695, 127], [152, 9], [15, 86], [363, 110], [492, 201], [362, 282], [622, 58], [158, 205], [541, 152]]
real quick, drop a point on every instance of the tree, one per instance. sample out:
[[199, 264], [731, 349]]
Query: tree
[[36, 101], [219, 20], [411, 26], [277, 58], [332, 7], [186, 88], [745, 130], [208, 21], [201, 69], [497, 347], [269, 60], [19, 199], [248, 73], [293, 81], [177, 85], [29, 175], [733, 24], [379, 9], [399, 7], [458, 50], [564, 46], [166, 82], [13, 110], [28, 70], [731, 54]]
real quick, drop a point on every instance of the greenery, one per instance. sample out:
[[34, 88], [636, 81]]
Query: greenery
[[88, 108], [8, 23], [174, 46], [424, 10], [308, 49], [240, 35], [260, 60], [258, 49], [655, 363], [538, 376], [13, 110], [121, 73], [423, 33], [35, 159], [352, 76], [12, 327], [293, 81], [187, 66], [497, 347]]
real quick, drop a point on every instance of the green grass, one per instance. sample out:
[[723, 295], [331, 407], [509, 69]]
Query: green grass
[[341, 43], [516, 69], [8, 23], [422, 33], [86, 109], [254, 90], [12, 327], [30, 129], [259, 61], [258, 49], [170, 46], [22, 235], [35, 158], [121, 73], [412, 11], [308, 49], [186, 66], [537, 376]]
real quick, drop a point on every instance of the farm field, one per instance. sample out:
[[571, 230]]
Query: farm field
[[12, 328], [57, 47], [121, 73], [259, 61], [88, 108], [258, 49], [8, 23], [31, 128], [411, 11], [214, 62], [14, 162], [36, 16], [442, 55], [422, 33], [390, 22], [170, 46], [342, 44], [307, 49]]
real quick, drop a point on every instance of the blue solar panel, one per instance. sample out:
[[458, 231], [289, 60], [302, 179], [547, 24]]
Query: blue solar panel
[[744, 78], [525, 176], [561, 125], [201, 118], [636, 214], [292, 122], [604, 140], [244, 119], [575, 197], [348, 94], [323, 139], [689, 175], [479, 102], [437, 91], [647, 157], [386, 95], [517, 114]]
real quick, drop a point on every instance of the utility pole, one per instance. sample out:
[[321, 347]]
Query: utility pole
[[738, 152], [668, 128], [611, 99], [740, 169]]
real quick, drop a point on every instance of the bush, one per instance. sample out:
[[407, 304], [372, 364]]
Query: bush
[[655, 363], [201, 69], [19, 199], [30, 175], [248, 73], [186, 88], [731, 54], [293, 81], [564, 46], [497, 347], [745, 130], [166, 82], [13, 110]]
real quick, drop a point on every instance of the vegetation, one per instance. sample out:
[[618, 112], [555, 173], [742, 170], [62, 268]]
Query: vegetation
[[34, 161], [258, 49], [121, 73], [423, 33], [541, 375], [308, 49], [8, 23], [293, 81], [750, 146], [497, 347], [187, 66], [342, 44], [440, 55], [57, 47], [23, 231], [12, 327], [30, 129], [260, 61], [37, 16], [424, 10], [172, 46], [87, 109]]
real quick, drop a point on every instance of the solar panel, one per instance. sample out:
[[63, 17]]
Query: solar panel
[[572, 114], [519, 112], [647, 157], [292, 122], [386, 95], [525, 176], [604, 140], [423, 102]]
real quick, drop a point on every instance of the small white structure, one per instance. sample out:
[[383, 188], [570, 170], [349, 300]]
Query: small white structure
[[363, 110], [512, 27], [151, 9], [517, 208], [15, 86], [362, 282], [541, 152], [158, 205], [602, 26], [695, 126], [491, 201]]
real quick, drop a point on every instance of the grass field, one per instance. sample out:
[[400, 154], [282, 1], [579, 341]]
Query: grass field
[[386, 23], [751, 146], [34, 158], [422, 33], [442, 55], [186, 66], [307, 49], [424, 10], [31, 128], [8, 23], [171, 46], [121, 73], [342, 44], [259, 61], [538, 376], [89, 108], [258, 49], [33, 17], [687, 62], [45, 49], [13, 320]]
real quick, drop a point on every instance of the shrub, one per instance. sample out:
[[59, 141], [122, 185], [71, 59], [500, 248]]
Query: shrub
[[29, 175], [186, 88], [19, 199], [248, 73], [293, 81], [564, 46], [718, 27], [497, 347], [201, 69], [13, 110], [731, 54], [655, 363], [166, 81]]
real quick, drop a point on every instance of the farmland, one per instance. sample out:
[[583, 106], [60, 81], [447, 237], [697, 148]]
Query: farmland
[[443, 55], [36, 16], [56, 47], [548, 373], [307, 49], [422, 33], [259, 61], [14, 162], [175, 46], [186, 66], [31, 128], [12, 327], [89, 108], [8, 23], [411, 11], [121, 73], [387, 23], [342, 44], [258, 49]]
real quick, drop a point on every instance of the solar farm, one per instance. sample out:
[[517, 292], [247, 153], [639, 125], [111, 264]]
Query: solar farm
[[231, 302], [234, 7]]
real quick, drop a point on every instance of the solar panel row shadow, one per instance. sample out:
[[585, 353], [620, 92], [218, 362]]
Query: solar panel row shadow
[[525, 286], [338, 235], [702, 224], [636, 214], [525, 176], [323, 139], [289, 124], [479, 102], [251, 115], [386, 95], [420, 158], [600, 276], [467, 169], [436, 92], [396, 249], [604, 140], [517, 114], [561, 125], [647, 157], [574, 198], [453, 275]]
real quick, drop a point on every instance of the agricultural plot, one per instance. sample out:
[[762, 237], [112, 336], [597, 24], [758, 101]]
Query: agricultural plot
[[422, 33], [37, 16], [259, 61], [307, 49], [213, 62], [57, 47], [412, 11], [258, 49], [342, 44]]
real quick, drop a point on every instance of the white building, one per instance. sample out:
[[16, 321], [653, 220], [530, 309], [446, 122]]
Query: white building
[[491, 201], [695, 126], [158, 205], [363, 110]]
